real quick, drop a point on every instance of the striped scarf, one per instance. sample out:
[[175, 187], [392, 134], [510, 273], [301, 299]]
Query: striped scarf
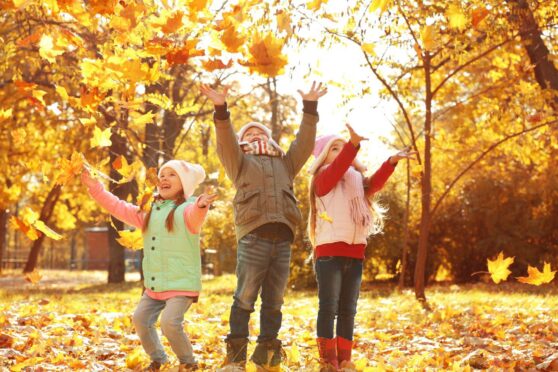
[[269, 148]]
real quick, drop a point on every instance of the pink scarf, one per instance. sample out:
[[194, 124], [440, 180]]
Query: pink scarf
[[269, 147], [352, 187]]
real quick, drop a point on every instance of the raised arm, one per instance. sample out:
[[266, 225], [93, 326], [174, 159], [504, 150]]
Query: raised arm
[[124, 211], [302, 146], [229, 152], [195, 213], [375, 182]]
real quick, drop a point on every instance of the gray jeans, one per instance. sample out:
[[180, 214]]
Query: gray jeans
[[173, 310]]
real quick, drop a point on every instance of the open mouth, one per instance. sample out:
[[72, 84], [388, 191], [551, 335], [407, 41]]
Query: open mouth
[[165, 187]]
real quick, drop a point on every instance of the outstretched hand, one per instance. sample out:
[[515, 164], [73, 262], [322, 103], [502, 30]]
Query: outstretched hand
[[403, 154], [218, 98], [208, 197], [315, 92], [355, 137], [86, 178]]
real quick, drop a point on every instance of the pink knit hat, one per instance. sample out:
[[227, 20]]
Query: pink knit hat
[[191, 175], [321, 149]]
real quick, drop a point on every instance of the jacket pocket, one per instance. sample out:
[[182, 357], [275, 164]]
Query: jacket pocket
[[247, 206], [292, 213]]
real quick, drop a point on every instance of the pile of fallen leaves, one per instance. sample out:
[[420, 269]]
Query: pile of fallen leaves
[[481, 326]]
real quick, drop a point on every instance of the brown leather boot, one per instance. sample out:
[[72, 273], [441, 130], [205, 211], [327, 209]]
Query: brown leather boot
[[327, 347]]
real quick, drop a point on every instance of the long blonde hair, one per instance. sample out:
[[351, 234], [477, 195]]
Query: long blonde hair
[[377, 211]]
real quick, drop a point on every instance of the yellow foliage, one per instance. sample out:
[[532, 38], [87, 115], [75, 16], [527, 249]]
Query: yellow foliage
[[536, 277], [266, 56], [498, 268], [457, 19], [101, 138], [131, 239]]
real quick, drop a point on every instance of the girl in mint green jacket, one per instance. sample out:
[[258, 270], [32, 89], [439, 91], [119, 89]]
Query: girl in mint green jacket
[[172, 261]]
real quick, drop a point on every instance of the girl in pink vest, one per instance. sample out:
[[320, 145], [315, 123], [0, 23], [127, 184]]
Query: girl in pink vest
[[341, 218]]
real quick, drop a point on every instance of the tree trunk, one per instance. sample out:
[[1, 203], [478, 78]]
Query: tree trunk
[[426, 190], [3, 234], [46, 213], [405, 243], [117, 267]]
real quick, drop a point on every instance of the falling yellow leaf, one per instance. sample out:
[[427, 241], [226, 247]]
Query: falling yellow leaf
[[128, 171], [498, 268], [33, 277], [284, 22], [5, 114], [266, 56], [536, 277], [428, 37], [324, 216], [28, 230], [69, 169], [315, 4], [131, 239], [48, 50], [62, 93], [146, 118], [368, 48], [478, 16], [101, 138], [380, 4], [42, 227], [39, 94], [457, 19]]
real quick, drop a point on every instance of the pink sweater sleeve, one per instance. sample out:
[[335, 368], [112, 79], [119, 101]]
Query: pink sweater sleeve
[[379, 178], [194, 217], [124, 211]]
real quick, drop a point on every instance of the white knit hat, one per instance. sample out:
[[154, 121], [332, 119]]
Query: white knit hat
[[267, 131], [191, 175], [251, 124], [321, 149]]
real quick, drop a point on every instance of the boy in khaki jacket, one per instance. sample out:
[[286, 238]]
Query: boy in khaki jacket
[[266, 216]]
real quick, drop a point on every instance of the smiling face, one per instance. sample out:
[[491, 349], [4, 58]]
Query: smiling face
[[254, 134], [169, 185], [334, 150]]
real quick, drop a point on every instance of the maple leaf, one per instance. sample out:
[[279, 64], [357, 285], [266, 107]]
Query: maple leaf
[[33, 277], [90, 99], [48, 50], [101, 138], [383, 5], [232, 39], [368, 48], [62, 93], [151, 177], [128, 171], [266, 55], [536, 277], [428, 37], [457, 19], [145, 200], [498, 268], [173, 23], [284, 22], [27, 229], [144, 119], [105, 7], [478, 15], [31, 39], [324, 216], [181, 56], [315, 4], [132, 239], [69, 169], [5, 114], [42, 227], [215, 64]]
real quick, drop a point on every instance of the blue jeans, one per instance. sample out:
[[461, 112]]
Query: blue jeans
[[262, 266], [339, 281]]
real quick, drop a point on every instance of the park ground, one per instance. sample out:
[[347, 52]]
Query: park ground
[[73, 320]]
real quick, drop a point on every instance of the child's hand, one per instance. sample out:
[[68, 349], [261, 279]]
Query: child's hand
[[314, 93], [403, 154], [86, 178], [207, 197], [355, 138], [217, 98]]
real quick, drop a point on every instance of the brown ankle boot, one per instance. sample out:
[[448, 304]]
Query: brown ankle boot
[[327, 347]]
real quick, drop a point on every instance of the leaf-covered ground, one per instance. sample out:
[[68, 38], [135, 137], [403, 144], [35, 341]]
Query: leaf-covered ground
[[71, 320]]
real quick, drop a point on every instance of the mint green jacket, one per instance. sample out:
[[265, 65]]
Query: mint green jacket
[[172, 260]]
